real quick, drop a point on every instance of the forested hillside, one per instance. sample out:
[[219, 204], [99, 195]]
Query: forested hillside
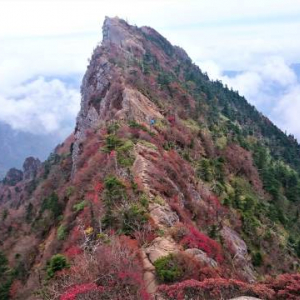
[[172, 186]]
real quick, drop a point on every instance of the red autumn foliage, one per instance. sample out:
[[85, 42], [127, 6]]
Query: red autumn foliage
[[99, 187], [73, 251], [240, 162], [115, 266], [285, 286], [171, 119], [181, 212], [15, 287], [76, 290], [145, 235], [192, 268], [216, 288], [75, 235], [196, 239]]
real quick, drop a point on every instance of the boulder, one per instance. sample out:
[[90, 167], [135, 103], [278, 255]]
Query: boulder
[[160, 246], [202, 257], [239, 251], [163, 215]]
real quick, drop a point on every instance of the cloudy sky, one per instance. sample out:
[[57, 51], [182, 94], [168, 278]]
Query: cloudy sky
[[251, 45]]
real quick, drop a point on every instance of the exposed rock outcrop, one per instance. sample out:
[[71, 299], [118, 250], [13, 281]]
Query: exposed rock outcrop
[[202, 257], [30, 168], [240, 253], [13, 176], [161, 246], [163, 215]]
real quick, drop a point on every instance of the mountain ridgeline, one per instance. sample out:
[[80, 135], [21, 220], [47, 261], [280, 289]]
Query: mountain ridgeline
[[16, 146], [172, 187]]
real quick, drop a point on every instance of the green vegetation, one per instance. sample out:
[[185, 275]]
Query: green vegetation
[[113, 127], [57, 262], [61, 232], [4, 214], [144, 200], [133, 217], [167, 269], [80, 206], [211, 169], [52, 204], [112, 142], [70, 191], [114, 189], [257, 259], [122, 147], [6, 277], [164, 79], [114, 193], [124, 154]]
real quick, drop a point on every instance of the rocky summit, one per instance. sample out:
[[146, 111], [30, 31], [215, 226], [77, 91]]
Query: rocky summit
[[172, 187]]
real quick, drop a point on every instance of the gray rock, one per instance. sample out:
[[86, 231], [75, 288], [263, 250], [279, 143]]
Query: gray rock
[[245, 298], [13, 176], [30, 168], [240, 253], [202, 257]]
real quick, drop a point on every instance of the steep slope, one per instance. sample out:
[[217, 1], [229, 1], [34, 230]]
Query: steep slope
[[172, 185]]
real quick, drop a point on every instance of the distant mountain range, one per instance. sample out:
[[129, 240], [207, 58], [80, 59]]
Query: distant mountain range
[[15, 146]]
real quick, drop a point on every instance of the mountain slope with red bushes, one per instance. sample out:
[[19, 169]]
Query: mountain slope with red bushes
[[171, 186]]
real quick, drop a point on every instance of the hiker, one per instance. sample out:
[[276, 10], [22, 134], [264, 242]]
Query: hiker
[[152, 122]]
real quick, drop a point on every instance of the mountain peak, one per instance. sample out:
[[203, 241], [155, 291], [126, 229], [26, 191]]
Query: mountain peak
[[117, 31]]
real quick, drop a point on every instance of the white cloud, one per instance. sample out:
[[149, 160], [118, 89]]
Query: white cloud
[[41, 107], [271, 85], [211, 68], [247, 83], [263, 79], [287, 111], [276, 70]]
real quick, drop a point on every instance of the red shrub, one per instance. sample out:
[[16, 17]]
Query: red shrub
[[74, 291], [286, 286], [217, 288], [15, 287], [73, 251], [196, 239], [99, 187], [115, 266], [240, 161], [181, 212]]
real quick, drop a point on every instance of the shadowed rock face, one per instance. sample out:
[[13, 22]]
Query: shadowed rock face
[[30, 168], [13, 176], [104, 95]]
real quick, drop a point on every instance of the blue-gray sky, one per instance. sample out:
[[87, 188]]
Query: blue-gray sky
[[45, 45]]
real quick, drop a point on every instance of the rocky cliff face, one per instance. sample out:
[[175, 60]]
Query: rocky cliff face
[[159, 192], [105, 95]]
